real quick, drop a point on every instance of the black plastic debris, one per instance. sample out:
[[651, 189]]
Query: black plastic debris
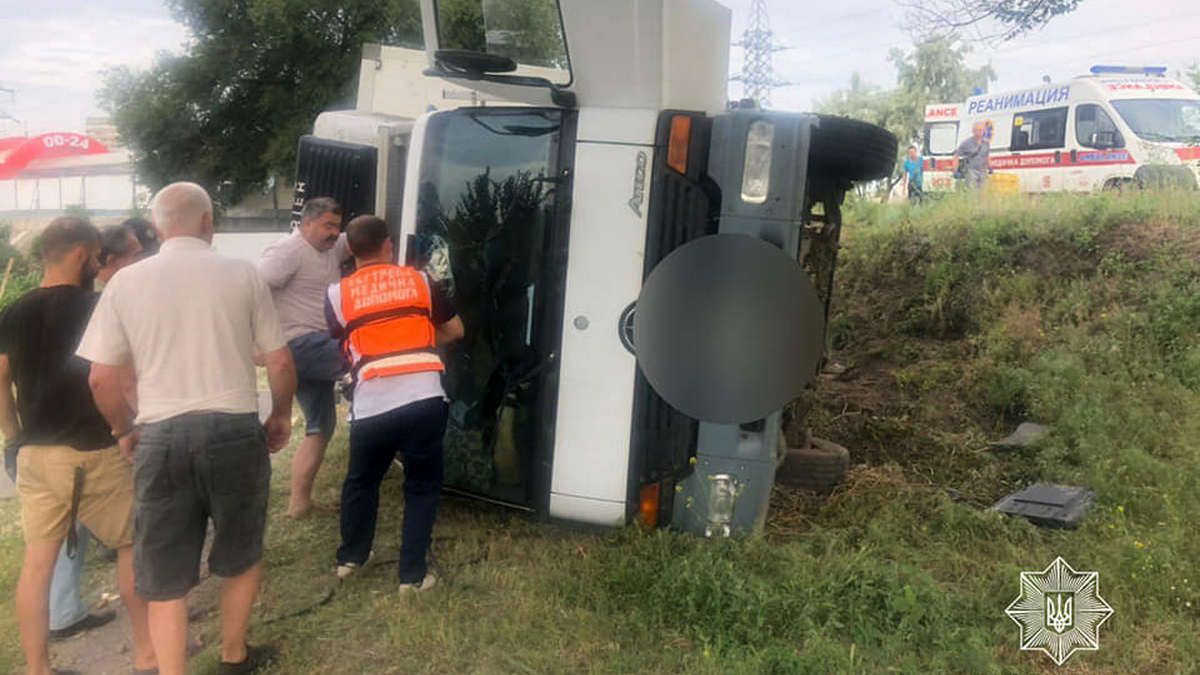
[[1060, 506]]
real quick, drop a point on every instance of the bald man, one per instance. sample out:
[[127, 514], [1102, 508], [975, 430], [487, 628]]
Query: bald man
[[190, 321], [973, 153]]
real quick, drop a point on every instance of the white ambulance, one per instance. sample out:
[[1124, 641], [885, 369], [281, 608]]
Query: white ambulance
[[1117, 127]]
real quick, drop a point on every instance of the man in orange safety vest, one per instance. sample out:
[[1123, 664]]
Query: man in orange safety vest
[[391, 320]]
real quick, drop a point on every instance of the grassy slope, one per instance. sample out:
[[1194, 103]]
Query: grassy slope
[[958, 320]]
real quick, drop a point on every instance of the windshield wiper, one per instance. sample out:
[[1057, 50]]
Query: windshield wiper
[[483, 67]]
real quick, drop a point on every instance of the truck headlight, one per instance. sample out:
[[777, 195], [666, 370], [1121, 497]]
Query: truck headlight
[[756, 174], [722, 495]]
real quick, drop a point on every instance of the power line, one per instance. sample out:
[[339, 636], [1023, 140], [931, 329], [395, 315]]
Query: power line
[[1148, 45], [1018, 48]]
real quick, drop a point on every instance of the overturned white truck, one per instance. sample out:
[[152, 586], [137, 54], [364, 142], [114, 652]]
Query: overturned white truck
[[643, 270]]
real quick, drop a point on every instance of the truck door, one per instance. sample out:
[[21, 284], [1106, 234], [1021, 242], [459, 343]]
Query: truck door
[[488, 229]]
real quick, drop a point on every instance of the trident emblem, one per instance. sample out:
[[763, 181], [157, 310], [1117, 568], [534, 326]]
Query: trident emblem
[[1060, 611]]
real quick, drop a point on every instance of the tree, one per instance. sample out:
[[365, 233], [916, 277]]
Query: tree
[[935, 71], [1194, 74], [869, 103], [993, 20], [229, 112]]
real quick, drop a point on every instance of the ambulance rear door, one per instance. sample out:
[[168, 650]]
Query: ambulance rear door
[[941, 138]]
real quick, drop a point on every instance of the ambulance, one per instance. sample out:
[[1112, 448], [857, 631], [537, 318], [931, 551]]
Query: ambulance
[[643, 271], [1116, 127]]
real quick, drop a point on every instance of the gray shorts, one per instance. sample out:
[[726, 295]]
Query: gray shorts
[[319, 403], [319, 363], [187, 470]]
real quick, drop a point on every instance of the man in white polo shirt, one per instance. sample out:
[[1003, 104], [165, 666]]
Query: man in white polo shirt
[[190, 323]]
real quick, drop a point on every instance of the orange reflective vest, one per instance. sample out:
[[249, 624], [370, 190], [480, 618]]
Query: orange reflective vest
[[389, 330]]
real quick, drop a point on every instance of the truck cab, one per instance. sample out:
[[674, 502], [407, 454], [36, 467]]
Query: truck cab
[[555, 165]]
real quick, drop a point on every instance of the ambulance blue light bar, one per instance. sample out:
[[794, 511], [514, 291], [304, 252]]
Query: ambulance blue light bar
[[1160, 71]]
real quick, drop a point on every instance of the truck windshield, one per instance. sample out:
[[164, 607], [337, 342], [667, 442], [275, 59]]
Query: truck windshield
[[529, 32], [1162, 119], [485, 219]]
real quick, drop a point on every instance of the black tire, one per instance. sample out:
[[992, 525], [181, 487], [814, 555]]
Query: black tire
[[852, 150], [819, 467]]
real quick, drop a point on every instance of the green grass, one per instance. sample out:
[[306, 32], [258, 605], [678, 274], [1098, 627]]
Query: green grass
[[958, 320]]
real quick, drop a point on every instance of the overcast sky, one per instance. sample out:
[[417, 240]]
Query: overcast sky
[[52, 52]]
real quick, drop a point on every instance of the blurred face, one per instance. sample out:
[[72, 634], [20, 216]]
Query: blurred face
[[117, 262], [322, 231], [912, 153], [978, 132], [86, 261]]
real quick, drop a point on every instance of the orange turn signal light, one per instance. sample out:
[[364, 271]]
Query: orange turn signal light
[[677, 148], [648, 504]]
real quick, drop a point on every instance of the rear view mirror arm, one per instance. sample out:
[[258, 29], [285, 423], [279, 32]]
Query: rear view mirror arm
[[561, 97]]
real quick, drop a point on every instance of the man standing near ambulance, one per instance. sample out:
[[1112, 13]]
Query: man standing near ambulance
[[390, 321], [299, 269], [973, 155]]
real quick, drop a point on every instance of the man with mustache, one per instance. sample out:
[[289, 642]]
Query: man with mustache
[[299, 268]]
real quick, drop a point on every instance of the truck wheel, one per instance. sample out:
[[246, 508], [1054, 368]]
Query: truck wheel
[[819, 467], [852, 150]]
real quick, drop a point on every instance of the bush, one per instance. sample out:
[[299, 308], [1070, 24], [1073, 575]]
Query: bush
[[23, 277]]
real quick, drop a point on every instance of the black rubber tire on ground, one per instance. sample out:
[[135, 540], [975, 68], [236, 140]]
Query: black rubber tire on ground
[[819, 467], [852, 150]]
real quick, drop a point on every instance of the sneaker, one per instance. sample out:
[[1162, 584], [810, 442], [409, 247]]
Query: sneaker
[[256, 658], [347, 569], [88, 622], [412, 589]]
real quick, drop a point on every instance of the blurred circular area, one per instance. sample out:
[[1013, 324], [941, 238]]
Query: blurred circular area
[[729, 329]]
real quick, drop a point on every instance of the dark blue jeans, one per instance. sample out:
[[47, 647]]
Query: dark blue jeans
[[414, 432]]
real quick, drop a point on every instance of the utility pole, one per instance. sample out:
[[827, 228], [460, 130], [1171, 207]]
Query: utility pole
[[758, 42], [4, 114]]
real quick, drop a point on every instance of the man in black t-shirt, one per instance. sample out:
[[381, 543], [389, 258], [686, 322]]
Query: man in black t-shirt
[[69, 467]]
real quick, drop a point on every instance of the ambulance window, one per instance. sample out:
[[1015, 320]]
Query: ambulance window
[[1090, 119], [530, 32], [1039, 129], [941, 138]]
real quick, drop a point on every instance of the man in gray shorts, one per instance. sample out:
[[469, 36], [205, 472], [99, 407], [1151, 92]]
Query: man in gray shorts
[[299, 268], [190, 322]]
